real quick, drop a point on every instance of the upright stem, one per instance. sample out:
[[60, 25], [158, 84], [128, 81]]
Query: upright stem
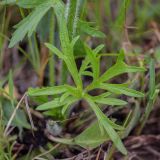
[[111, 152], [73, 11], [2, 38], [108, 10], [78, 11], [51, 60], [98, 13], [32, 53], [153, 94], [36, 52]]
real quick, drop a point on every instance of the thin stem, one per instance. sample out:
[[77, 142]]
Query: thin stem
[[78, 11], [73, 11], [32, 53], [22, 12], [153, 94], [37, 55], [2, 38], [111, 152], [51, 60], [13, 115], [108, 10]]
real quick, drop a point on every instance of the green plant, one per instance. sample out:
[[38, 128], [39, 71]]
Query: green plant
[[7, 102], [5, 142], [7, 106], [152, 96], [71, 24], [68, 95], [3, 28]]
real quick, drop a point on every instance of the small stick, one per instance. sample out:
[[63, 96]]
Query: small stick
[[29, 115], [98, 154], [13, 115]]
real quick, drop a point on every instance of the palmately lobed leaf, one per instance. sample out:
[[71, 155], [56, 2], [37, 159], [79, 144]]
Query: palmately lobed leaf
[[117, 69], [29, 24], [70, 94]]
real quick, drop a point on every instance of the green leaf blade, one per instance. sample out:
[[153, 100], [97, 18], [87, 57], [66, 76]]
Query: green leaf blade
[[118, 69], [111, 101], [28, 25], [50, 105], [91, 139], [46, 91], [108, 126], [121, 89]]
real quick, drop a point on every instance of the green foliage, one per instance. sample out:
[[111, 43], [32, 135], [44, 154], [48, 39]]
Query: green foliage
[[87, 28], [67, 95], [88, 138], [63, 96], [8, 106], [120, 22], [121, 89], [73, 12], [107, 125], [5, 2], [39, 23], [5, 142], [20, 119], [47, 91], [29, 24], [153, 94], [91, 139], [30, 3], [110, 101], [119, 68]]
